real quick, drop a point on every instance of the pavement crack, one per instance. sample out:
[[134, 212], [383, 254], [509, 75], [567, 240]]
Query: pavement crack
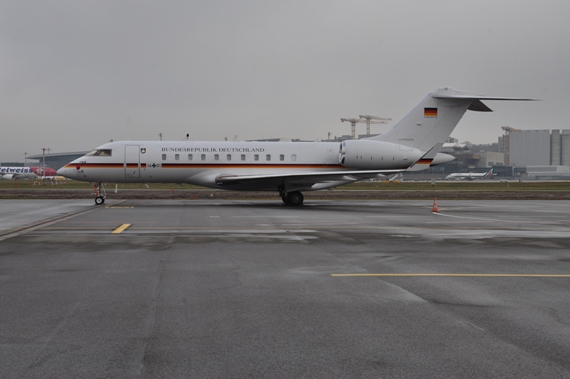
[[152, 314]]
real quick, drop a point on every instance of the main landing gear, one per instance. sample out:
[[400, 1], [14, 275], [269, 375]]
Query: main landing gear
[[294, 198], [100, 193]]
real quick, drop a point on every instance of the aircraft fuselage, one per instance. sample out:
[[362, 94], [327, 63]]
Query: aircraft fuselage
[[201, 163]]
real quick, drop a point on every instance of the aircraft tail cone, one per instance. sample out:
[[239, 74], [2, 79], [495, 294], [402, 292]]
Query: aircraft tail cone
[[435, 209]]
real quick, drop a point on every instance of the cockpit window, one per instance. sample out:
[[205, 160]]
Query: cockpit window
[[99, 152]]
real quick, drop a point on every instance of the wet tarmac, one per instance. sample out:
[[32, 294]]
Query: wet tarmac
[[233, 289]]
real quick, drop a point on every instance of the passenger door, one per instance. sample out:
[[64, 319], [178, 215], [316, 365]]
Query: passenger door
[[132, 161]]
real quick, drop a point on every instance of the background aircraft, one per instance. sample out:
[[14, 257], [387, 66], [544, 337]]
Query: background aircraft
[[470, 175], [26, 172]]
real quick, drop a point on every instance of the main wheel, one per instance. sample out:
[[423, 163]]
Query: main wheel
[[99, 200], [286, 199], [296, 198]]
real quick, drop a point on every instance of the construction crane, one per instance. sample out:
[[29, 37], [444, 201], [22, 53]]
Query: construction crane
[[353, 122], [382, 120], [507, 143], [364, 119]]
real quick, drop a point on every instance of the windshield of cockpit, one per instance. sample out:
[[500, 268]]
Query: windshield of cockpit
[[99, 153]]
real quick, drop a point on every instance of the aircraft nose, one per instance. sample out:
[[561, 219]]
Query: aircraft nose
[[63, 172]]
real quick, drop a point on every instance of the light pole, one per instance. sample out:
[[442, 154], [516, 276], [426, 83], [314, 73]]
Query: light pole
[[44, 156]]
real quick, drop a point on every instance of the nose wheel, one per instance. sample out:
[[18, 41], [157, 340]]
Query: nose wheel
[[100, 193]]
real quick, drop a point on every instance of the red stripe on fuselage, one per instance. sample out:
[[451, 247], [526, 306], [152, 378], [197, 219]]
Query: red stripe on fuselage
[[225, 165], [95, 165], [204, 165]]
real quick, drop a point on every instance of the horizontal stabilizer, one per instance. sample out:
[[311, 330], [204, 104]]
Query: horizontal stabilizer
[[458, 94], [477, 105]]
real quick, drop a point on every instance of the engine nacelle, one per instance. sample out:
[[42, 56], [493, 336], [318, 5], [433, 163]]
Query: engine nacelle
[[377, 155], [442, 158]]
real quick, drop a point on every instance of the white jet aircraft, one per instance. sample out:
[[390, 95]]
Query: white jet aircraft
[[286, 167], [470, 175]]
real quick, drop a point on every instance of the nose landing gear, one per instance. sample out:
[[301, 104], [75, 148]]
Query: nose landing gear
[[100, 193]]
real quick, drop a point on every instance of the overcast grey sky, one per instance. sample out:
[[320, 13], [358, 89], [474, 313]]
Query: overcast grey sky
[[75, 74]]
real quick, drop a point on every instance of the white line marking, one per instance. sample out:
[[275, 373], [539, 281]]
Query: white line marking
[[483, 219]]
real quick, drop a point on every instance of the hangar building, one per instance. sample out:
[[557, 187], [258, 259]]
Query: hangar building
[[540, 147], [56, 160]]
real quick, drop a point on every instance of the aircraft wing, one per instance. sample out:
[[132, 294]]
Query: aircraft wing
[[297, 181]]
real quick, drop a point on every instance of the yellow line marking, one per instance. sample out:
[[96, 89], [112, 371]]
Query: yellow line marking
[[464, 275], [120, 229]]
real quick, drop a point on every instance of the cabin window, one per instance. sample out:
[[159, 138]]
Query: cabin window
[[282, 157], [293, 157], [190, 157], [163, 157], [177, 157], [268, 157], [229, 157], [99, 152], [216, 157], [243, 157], [256, 157], [203, 157]]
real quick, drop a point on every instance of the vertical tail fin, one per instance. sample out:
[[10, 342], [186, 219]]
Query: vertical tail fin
[[432, 121]]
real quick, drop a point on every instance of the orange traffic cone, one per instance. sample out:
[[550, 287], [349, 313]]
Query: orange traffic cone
[[434, 209]]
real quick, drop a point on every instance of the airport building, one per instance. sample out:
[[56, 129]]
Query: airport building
[[537, 147], [530, 147], [491, 159], [548, 172], [532, 154], [55, 160]]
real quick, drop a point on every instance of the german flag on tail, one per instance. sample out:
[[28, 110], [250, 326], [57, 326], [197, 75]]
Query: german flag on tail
[[430, 112]]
